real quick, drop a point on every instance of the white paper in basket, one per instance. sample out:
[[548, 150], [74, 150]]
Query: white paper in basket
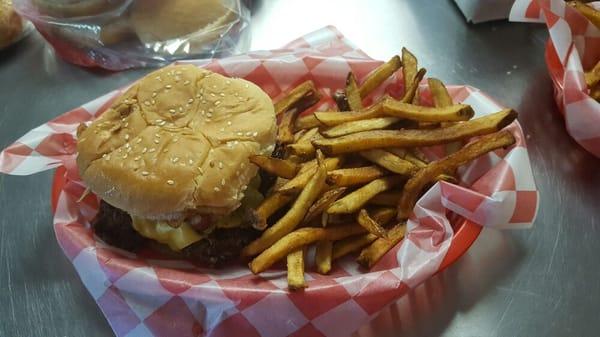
[[153, 296]]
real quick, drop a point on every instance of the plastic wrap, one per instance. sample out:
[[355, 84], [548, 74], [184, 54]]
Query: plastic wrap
[[121, 34], [573, 46], [149, 295]]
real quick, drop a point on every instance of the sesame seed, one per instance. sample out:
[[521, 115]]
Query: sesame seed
[[177, 78], [211, 110], [137, 158], [154, 94], [107, 157], [211, 163], [128, 149], [208, 120], [147, 103], [125, 156], [175, 140], [165, 150], [235, 142], [180, 109], [217, 103], [203, 101], [172, 111], [243, 165], [152, 101], [229, 123], [235, 94], [104, 155], [126, 124], [209, 114], [127, 145], [168, 86], [144, 150], [222, 94], [239, 133], [246, 85], [145, 173], [254, 134], [151, 150], [162, 123], [217, 189], [200, 170], [221, 165], [156, 141], [126, 137], [249, 133], [222, 129], [158, 120], [214, 86], [227, 82], [175, 159], [191, 162], [223, 182], [186, 82], [170, 182], [119, 150], [191, 100], [245, 187], [212, 94], [198, 95], [178, 72]]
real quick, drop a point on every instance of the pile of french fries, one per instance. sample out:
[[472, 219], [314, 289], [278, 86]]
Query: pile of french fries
[[592, 76], [352, 177]]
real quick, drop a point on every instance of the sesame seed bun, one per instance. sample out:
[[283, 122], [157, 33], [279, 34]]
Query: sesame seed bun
[[177, 143], [75, 8], [11, 24]]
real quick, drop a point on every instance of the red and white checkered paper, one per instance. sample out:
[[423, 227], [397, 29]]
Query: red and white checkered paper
[[574, 45], [153, 296]]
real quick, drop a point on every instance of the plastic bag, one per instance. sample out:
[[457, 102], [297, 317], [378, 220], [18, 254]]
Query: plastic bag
[[121, 34]]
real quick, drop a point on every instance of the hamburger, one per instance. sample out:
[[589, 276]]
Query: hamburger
[[11, 25], [169, 159]]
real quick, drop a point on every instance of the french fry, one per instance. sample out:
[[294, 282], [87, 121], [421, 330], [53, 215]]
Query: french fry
[[352, 93], [413, 138], [411, 91], [279, 167], [293, 98], [272, 203], [308, 135], [446, 177], [415, 184], [379, 75], [349, 245], [333, 118], [294, 216], [389, 161], [355, 176], [298, 135], [383, 215], [306, 122], [418, 162], [390, 198], [323, 256], [589, 12], [285, 132], [355, 200], [370, 225], [296, 184], [409, 70], [441, 97], [372, 254], [297, 239], [340, 100], [358, 126], [323, 203], [452, 113], [592, 77], [595, 92], [295, 270]]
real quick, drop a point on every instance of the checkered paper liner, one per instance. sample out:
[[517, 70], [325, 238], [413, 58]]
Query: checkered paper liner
[[574, 45], [157, 296]]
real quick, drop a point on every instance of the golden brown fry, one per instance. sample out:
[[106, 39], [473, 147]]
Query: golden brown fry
[[295, 270], [595, 92], [323, 203], [452, 113], [352, 93], [358, 126], [439, 93], [413, 138], [279, 167], [297, 239], [386, 198], [383, 215], [427, 175], [298, 135], [409, 68], [323, 256], [355, 176], [355, 200], [296, 184], [592, 77], [349, 245], [389, 161], [308, 135], [294, 216], [307, 122], [589, 12], [379, 75], [370, 255], [446, 177], [415, 160], [370, 225], [259, 216], [285, 132], [292, 99], [333, 118], [411, 91]]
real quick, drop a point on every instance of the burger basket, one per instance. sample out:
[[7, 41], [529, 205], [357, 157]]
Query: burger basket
[[573, 46], [121, 34], [150, 295]]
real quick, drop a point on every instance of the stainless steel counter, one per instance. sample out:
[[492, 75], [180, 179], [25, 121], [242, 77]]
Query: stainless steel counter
[[538, 282]]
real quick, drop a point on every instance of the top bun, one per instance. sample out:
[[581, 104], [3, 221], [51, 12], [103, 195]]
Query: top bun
[[11, 24], [177, 143], [160, 20]]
